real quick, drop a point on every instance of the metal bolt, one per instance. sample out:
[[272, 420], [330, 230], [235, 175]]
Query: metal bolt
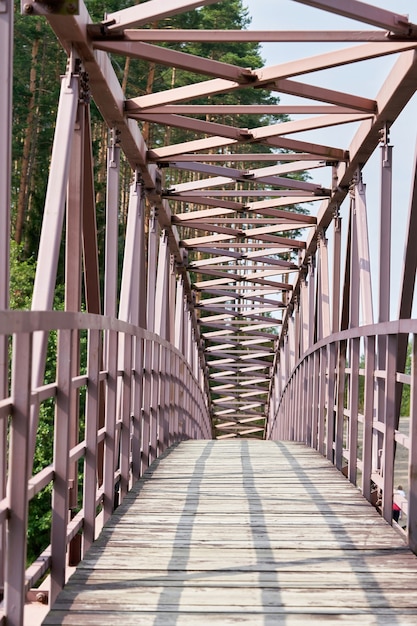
[[42, 598]]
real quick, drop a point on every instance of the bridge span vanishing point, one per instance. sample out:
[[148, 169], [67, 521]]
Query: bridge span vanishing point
[[235, 286]]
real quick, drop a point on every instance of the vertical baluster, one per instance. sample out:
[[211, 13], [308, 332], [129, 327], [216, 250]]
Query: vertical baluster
[[137, 406], [91, 427], [389, 419], [330, 418], [322, 401], [110, 424], [412, 464], [60, 493], [146, 415], [125, 425], [368, 416], [17, 485], [353, 409]]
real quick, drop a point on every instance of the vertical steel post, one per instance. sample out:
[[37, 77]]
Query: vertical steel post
[[384, 282], [304, 316], [330, 417], [321, 424], [161, 292], [179, 316], [91, 428], [131, 309], [353, 408], [337, 246], [73, 270], [160, 328], [60, 494], [297, 333], [368, 413], [138, 386], [354, 282], [155, 401], [146, 410], [129, 291], [315, 398], [17, 484], [389, 434], [152, 265], [171, 299], [47, 264], [340, 404], [291, 344], [125, 416], [311, 285], [324, 305], [50, 239], [90, 247], [412, 462], [364, 263], [110, 425], [385, 235], [6, 81], [309, 410], [111, 268], [112, 226]]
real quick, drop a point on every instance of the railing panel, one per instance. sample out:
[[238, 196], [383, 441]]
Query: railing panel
[[342, 419], [122, 389]]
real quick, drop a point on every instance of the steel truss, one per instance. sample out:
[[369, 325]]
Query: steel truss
[[225, 290]]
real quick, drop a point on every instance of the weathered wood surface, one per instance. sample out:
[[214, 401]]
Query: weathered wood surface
[[248, 532]]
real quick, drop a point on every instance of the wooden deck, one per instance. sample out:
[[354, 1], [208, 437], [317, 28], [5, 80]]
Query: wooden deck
[[243, 532]]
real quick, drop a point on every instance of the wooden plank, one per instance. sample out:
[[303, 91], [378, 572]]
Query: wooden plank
[[379, 618], [249, 532]]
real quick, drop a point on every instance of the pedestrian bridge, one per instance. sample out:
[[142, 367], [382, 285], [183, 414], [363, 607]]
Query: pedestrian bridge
[[224, 414]]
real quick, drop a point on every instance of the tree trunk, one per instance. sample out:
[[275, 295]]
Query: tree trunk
[[24, 184]]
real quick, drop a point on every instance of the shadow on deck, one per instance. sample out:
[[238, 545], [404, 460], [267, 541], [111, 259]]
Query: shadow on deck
[[243, 531]]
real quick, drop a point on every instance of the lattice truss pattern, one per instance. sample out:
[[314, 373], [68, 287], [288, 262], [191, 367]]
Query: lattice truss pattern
[[247, 234]]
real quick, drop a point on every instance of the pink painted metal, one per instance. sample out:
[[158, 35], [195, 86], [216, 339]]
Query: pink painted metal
[[361, 11], [6, 65], [112, 210], [215, 36], [118, 457], [247, 290]]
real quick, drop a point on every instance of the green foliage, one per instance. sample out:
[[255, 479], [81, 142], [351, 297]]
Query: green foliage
[[38, 62], [22, 275], [406, 389]]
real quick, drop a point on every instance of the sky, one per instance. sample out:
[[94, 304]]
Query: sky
[[362, 79]]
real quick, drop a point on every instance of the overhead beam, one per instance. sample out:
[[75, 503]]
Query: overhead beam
[[179, 35]]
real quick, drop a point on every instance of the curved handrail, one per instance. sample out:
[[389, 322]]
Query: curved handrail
[[341, 398], [139, 396]]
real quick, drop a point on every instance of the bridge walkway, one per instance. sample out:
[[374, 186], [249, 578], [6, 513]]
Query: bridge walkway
[[243, 531]]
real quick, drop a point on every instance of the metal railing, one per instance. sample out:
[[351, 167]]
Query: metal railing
[[342, 398], [119, 397]]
